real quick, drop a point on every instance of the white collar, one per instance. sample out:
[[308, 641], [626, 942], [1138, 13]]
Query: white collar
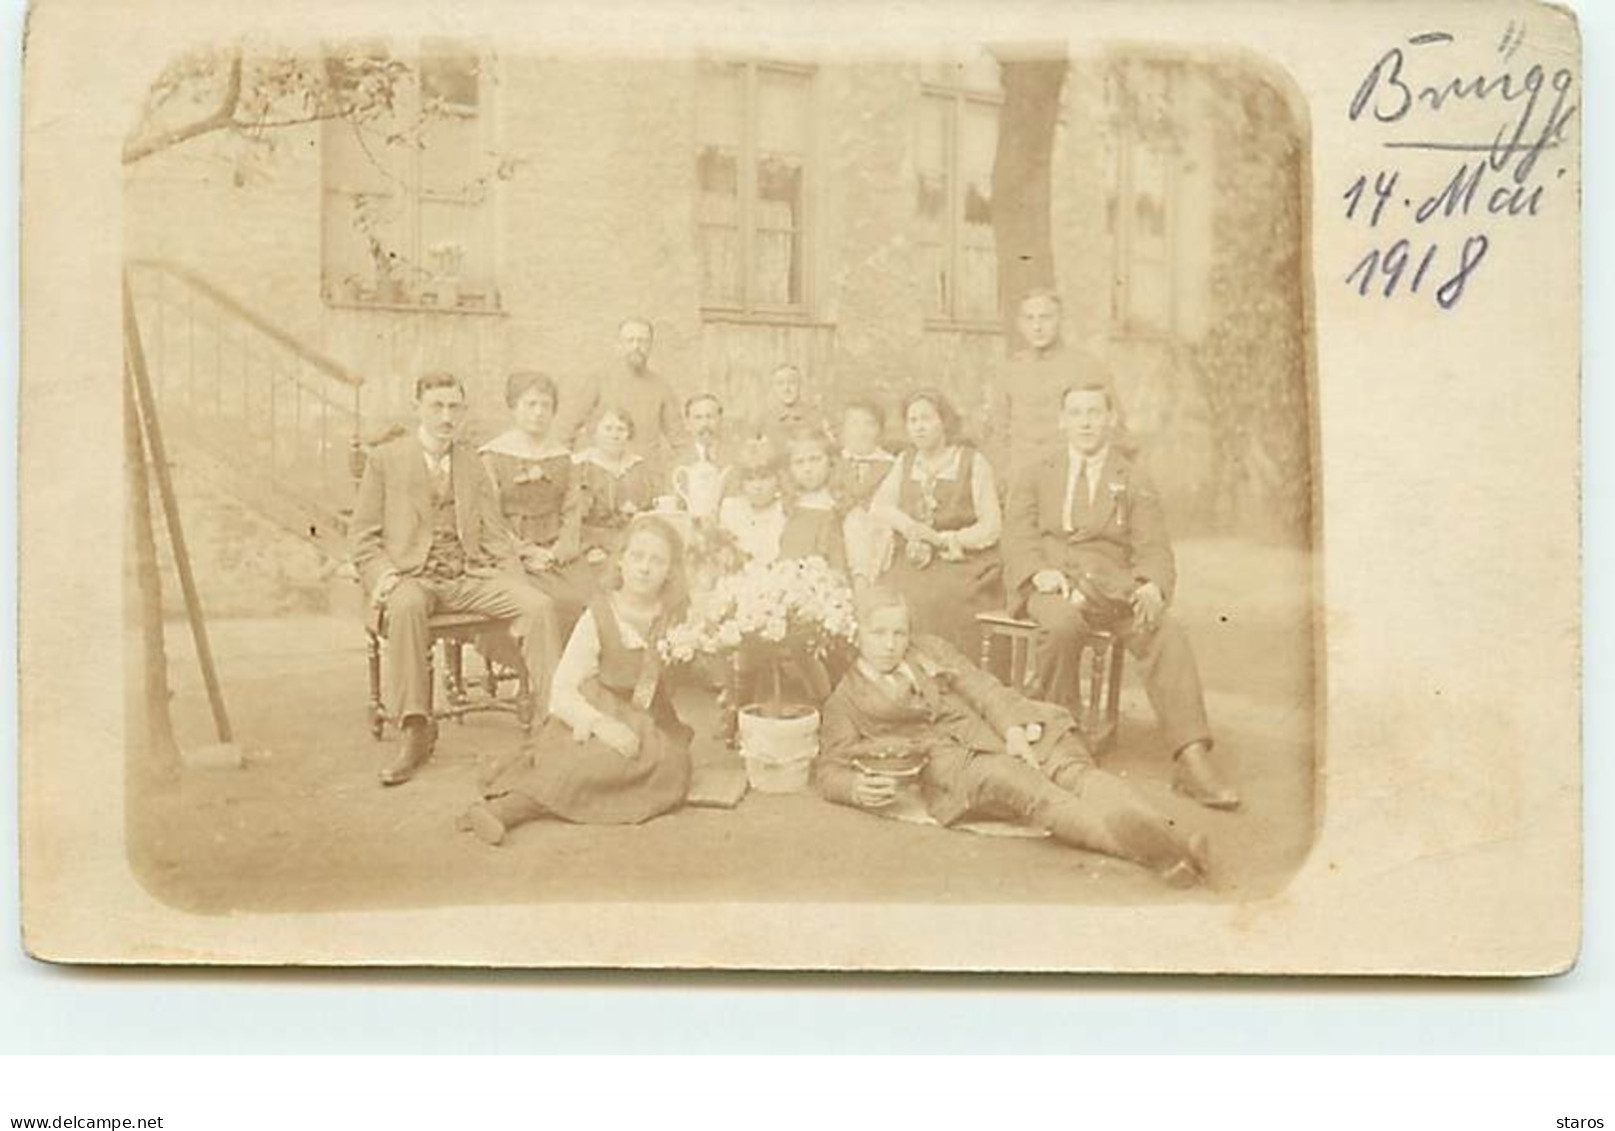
[[903, 668], [595, 456], [742, 506], [433, 459], [519, 444], [820, 500], [1095, 461]]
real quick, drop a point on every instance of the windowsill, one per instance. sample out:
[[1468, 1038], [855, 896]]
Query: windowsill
[[769, 318], [964, 326], [415, 308]]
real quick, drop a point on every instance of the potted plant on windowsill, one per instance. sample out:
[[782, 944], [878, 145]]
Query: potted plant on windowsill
[[445, 262], [766, 619]]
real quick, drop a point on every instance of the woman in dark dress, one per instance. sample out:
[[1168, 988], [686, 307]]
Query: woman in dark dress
[[614, 751], [941, 502], [533, 475], [613, 484]]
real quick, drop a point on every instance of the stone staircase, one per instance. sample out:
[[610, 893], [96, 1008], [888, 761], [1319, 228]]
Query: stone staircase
[[247, 409]]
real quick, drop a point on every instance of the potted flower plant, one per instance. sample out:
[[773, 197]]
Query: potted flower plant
[[772, 616]]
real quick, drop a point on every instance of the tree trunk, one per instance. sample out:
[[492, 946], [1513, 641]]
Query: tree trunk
[[1032, 79]]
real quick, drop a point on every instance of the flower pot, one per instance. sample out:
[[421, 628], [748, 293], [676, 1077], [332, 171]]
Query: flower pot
[[778, 752]]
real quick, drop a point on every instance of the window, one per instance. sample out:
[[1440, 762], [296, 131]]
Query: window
[[1141, 195], [408, 190], [957, 145], [754, 141]]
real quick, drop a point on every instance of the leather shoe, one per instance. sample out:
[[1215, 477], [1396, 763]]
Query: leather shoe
[[413, 753], [1197, 781]]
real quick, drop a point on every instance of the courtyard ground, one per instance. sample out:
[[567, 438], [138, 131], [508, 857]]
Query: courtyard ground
[[306, 826]]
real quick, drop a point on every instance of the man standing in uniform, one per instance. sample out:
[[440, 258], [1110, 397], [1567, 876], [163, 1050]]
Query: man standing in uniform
[[633, 387], [428, 537], [1085, 547], [1022, 426], [784, 410]]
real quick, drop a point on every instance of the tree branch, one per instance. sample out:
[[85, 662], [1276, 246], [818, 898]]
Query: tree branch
[[283, 123], [223, 117]]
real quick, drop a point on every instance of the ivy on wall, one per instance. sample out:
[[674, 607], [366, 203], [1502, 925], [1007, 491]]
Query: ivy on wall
[[1251, 365]]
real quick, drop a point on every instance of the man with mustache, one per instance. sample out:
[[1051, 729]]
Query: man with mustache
[[633, 385]]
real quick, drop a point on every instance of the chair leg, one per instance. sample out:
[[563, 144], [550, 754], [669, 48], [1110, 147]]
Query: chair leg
[[1094, 707], [378, 716], [526, 707], [431, 680], [455, 679], [1031, 678], [1113, 698]]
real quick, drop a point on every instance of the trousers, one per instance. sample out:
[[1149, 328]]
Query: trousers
[[531, 613], [1165, 661], [1092, 810]]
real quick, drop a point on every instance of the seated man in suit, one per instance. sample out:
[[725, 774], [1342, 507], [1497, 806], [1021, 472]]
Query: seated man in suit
[[428, 537], [1085, 546], [989, 752]]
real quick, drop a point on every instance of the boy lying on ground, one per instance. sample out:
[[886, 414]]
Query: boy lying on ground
[[989, 752]]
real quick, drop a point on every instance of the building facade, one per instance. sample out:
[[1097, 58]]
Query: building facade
[[510, 211]]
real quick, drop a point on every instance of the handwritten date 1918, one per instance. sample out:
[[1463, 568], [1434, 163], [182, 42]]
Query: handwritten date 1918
[[1384, 270]]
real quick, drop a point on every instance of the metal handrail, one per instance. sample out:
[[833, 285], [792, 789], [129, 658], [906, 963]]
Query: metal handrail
[[328, 366], [314, 441]]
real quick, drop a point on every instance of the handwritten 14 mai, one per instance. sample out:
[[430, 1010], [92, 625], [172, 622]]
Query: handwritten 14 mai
[[1493, 178]]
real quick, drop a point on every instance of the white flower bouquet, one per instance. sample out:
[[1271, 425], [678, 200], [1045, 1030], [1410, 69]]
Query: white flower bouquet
[[785, 611]]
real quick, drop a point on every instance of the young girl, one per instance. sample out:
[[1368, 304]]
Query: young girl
[[613, 484], [532, 473], [813, 519], [755, 517], [863, 466], [614, 751]]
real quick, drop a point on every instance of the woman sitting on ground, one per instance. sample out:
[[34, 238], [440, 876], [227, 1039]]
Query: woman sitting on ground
[[614, 751], [533, 475]]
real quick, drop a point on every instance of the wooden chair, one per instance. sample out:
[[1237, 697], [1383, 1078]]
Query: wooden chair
[[451, 632], [1101, 656]]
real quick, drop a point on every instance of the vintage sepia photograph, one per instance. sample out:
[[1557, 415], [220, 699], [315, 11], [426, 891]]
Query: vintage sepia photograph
[[790, 472], [614, 478]]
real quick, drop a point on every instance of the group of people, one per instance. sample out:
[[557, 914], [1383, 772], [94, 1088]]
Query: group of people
[[571, 526]]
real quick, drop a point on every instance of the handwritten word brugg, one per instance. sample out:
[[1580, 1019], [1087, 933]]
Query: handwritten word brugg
[[1387, 94], [1411, 89]]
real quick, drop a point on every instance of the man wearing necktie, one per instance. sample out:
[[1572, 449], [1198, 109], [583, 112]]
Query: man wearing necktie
[[428, 537], [1086, 547]]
